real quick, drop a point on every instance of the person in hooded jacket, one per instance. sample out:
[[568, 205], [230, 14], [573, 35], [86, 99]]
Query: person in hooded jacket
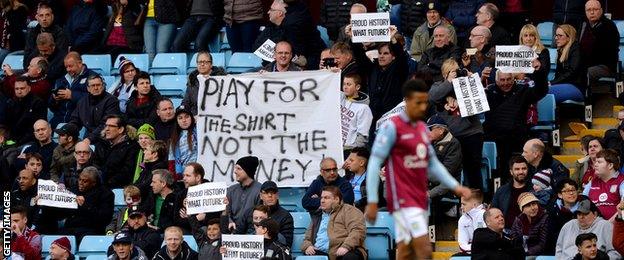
[[141, 107], [175, 247], [209, 241], [199, 77], [356, 115]]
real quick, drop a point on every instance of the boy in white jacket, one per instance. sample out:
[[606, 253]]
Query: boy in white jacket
[[356, 116], [471, 219]]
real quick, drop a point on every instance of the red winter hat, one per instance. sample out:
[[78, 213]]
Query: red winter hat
[[63, 242]]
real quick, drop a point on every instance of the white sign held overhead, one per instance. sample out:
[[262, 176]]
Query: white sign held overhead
[[206, 197], [289, 120], [515, 59], [52, 195], [470, 94], [241, 247], [370, 27], [266, 50]]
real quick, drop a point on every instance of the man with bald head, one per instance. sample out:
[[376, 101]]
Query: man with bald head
[[599, 40], [23, 110], [283, 59], [36, 74], [43, 146], [485, 52], [69, 89], [355, 9], [491, 242], [534, 151], [443, 49], [70, 173]]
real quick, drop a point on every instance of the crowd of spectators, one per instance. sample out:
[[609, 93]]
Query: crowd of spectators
[[136, 140]]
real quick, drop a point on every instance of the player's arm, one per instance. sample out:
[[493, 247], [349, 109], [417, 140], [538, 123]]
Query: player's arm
[[438, 172], [384, 142]]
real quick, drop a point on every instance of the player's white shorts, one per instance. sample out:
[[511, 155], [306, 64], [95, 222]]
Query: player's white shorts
[[410, 223]]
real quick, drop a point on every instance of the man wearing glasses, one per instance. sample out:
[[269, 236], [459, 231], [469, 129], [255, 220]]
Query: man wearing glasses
[[69, 173], [92, 109], [198, 78], [329, 176]]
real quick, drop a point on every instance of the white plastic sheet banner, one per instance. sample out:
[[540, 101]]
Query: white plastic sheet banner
[[289, 120], [52, 195], [266, 50], [240, 247], [470, 94], [515, 59], [370, 27], [206, 197]]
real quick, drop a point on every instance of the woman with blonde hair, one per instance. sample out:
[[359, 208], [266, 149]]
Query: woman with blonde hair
[[529, 36], [568, 83]]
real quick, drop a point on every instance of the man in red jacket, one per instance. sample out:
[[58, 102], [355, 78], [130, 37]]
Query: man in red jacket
[[25, 242]]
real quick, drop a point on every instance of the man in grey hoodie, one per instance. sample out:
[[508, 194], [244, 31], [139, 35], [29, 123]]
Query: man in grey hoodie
[[587, 221]]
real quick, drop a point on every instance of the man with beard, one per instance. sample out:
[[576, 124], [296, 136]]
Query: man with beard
[[506, 197]]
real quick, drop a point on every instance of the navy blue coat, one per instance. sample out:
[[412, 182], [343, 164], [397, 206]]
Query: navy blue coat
[[316, 187]]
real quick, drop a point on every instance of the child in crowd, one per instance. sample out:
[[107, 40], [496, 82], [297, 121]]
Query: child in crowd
[[587, 249], [471, 219], [208, 242], [541, 186], [269, 229], [132, 197], [355, 114]]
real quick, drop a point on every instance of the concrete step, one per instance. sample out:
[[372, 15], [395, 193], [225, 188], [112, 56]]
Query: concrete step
[[447, 246], [442, 255], [616, 109], [568, 160], [604, 123], [572, 147]]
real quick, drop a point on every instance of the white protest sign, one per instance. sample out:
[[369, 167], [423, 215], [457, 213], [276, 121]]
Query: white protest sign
[[470, 95], [206, 197], [52, 195], [239, 247], [289, 120], [266, 50], [515, 58], [395, 111], [370, 27]]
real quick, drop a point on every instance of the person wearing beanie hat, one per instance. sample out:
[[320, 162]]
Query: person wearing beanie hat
[[61, 249], [124, 88], [532, 224], [141, 106], [541, 186], [422, 39], [244, 196]]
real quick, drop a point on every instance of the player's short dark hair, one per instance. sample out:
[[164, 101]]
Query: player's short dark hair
[[414, 85]]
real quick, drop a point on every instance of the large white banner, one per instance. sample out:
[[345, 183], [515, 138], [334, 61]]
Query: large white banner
[[206, 197], [289, 120], [52, 195], [240, 247], [370, 27], [515, 59], [470, 94]]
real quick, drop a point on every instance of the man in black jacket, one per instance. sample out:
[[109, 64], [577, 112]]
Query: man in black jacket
[[492, 242], [534, 151], [23, 111], [269, 194], [506, 197], [509, 102], [486, 16], [162, 181], [25, 193], [116, 156], [599, 40], [91, 111], [175, 247], [95, 206], [293, 22], [142, 235], [45, 19], [443, 49]]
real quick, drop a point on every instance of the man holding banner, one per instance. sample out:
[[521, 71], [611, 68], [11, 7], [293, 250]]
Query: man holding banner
[[402, 143]]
